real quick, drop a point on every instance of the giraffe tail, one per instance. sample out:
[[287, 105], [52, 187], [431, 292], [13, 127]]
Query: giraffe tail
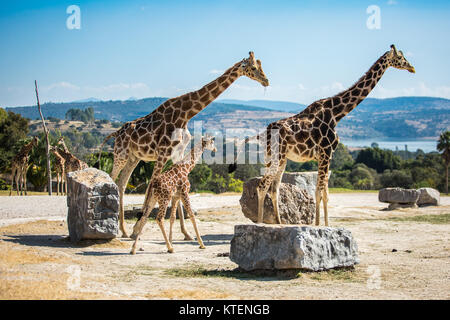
[[101, 146], [240, 147]]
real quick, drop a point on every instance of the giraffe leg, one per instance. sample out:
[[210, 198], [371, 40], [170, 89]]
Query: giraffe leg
[[160, 222], [275, 190], [173, 213], [325, 204], [13, 176], [187, 205], [122, 183], [139, 225], [261, 190], [322, 189], [187, 236], [57, 184], [24, 180], [18, 176], [318, 200]]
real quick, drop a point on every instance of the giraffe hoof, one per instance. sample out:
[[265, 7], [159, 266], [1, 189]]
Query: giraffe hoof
[[188, 238], [170, 250], [202, 247], [133, 251]]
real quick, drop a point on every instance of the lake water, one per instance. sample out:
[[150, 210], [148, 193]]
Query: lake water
[[425, 145]]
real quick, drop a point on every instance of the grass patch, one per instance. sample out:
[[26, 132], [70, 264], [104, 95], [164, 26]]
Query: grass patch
[[431, 218], [340, 274]]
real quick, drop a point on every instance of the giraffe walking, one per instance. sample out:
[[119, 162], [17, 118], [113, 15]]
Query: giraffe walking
[[311, 134], [60, 171], [173, 184], [163, 134], [19, 167]]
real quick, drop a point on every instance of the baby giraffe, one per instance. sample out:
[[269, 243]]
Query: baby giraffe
[[173, 182]]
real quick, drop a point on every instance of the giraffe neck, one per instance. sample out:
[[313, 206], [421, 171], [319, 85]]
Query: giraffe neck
[[192, 157], [194, 102], [27, 148], [344, 102], [65, 154], [64, 147]]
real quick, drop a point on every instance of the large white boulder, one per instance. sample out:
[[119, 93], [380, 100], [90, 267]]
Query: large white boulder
[[295, 205], [274, 247], [93, 205]]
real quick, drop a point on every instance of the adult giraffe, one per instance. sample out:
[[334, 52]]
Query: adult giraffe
[[19, 167], [311, 134], [163, 134]]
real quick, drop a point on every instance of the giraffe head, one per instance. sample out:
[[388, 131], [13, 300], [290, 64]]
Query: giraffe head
[[251, 68], [208, 143], [61, 141], [397, 60], [34, 141]]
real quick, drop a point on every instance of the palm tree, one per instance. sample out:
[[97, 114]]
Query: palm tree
[[444, 147]]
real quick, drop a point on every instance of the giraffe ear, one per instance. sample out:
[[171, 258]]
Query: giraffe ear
[[258, 62]]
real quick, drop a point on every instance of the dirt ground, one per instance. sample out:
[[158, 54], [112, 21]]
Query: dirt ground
[[405, 254]]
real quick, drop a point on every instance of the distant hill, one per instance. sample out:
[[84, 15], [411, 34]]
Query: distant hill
[[269, 104], [395, 118]]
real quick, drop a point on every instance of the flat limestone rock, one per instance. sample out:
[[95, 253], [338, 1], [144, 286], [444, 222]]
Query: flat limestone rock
[[398, 195], [295, 205], [93, 205], [258, 246]]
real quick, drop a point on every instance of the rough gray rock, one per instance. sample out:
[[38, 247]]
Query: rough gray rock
[[428, 197], [303, 180], [93, 205], [296, 206], [259, 246], [399, 196]]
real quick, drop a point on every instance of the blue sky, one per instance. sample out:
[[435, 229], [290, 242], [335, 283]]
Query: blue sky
[[309, 49]]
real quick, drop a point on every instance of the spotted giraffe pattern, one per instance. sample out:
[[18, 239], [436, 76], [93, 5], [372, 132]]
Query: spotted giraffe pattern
[[163, 134], [19, 167], [311, 134], [173, 184], [72, 163], [59, 166]]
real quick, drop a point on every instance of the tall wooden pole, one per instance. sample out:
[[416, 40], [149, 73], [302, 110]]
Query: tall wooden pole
[[47, 146]]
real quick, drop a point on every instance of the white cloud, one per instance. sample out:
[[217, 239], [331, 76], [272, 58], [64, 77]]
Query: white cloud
[[216, 71]]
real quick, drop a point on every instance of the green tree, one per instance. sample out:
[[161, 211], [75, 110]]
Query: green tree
[[341, 158], [199, 176], [13, 131], [396, 178], [444, 147], [379, 159]]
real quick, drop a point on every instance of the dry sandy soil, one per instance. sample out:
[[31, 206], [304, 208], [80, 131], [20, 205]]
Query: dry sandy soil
[[405, 254]]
